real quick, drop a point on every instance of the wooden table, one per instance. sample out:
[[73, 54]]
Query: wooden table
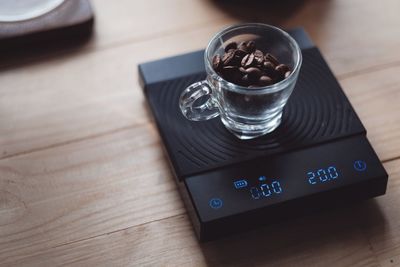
[[83, 178]]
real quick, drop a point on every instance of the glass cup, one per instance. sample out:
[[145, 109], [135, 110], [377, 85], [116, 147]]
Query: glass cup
[[246, 112]]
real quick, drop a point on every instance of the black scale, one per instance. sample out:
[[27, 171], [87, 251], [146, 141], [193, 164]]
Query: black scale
[[319, 157]]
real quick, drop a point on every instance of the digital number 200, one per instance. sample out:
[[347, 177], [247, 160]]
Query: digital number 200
[[323, 175]]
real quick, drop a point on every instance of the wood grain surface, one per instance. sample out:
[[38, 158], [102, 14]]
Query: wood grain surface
[[83, 177]]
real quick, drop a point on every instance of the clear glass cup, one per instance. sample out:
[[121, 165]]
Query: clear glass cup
[[247, 113]]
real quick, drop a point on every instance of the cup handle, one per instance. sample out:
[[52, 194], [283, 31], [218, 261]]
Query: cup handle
[[194, 107]]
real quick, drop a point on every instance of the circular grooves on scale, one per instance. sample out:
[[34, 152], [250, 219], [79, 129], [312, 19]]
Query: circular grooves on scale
[[316, 111], [168, 99], [325, 103], [210, 128]]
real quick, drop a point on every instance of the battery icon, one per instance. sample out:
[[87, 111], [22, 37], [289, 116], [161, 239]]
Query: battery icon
[[240, 183]]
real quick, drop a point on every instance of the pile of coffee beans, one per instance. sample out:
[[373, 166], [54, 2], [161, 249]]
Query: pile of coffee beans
[[245, 65]]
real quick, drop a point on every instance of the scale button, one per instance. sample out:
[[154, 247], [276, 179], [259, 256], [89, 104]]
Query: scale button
[[215, 203], [360, 165]]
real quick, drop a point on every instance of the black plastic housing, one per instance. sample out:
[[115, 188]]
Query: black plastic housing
[[320, 135]]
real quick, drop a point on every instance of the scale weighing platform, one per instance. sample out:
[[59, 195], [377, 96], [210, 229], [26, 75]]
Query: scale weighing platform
[[318, 158]]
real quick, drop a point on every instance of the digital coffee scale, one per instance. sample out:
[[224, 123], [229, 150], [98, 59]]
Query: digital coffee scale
[[319, 157]]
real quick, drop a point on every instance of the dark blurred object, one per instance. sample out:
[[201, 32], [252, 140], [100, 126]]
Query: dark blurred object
[[271, 12], [70, 23]]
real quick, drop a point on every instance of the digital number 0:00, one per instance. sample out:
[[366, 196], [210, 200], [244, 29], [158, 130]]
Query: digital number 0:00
[[266, 190]]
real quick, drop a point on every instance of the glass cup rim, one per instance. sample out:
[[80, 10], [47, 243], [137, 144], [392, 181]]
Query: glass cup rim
[[258, 90]]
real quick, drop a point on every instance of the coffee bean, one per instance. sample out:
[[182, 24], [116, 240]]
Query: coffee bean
[[237, 60], [241, 45], [217, 63], [268, 66], [269, 70], [242, 70], [287, 74], [231, 45], [228, 57], [253, 73], [248, 46], [245, 80], [259, 57], [231, 74], [254, 70], [282, 68], [272, 59], [230, 68], [247, 61], [240, 53], [251, 45], [265, 81], [258, 53]]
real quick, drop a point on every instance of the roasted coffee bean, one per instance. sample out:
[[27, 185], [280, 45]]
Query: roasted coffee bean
[[253, 73], [258, 53], [230, 69], [254, 70], [272, 59], [242, 46], [287, 74], [231, 74], [245, 80], [242, 70], [251, 45], [265, 81], [248, 60], [259, 61], [259, 57], [269, 70], [268, 66], [217, 63], [228, 57], [240, 53], [235, 60], [231, 45], [282, 68], [248, 46]]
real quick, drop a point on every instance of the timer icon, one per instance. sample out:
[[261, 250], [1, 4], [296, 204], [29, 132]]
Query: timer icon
[[215, 203], [360, 165]]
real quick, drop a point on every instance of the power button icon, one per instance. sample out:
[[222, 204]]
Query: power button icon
[[360, 165], [215, 203]]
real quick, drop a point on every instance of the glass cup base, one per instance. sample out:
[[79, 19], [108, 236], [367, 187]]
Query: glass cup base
[[246, 131]]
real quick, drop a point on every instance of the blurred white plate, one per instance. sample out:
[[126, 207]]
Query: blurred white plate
[[17, 10]]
